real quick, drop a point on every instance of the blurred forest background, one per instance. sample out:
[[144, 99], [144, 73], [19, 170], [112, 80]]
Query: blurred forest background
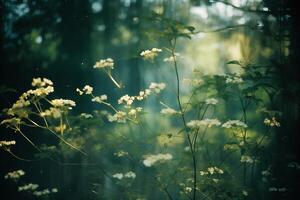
[[61, 40]]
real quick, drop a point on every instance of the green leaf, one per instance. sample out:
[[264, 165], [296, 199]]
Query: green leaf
[[234, 62], [190, 28]]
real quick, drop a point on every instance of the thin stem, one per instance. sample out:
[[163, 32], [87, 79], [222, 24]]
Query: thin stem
[[173, 45]]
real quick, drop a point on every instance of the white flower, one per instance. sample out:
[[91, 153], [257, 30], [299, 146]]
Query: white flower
[[157, 87], [195, 82], [168, 111], [234, 79], [99, 99], [188, 189], [63, 103], [86, 115], [246, 159], [143, 94], [52, 112], [79, 91], [88, 89], [271, 122], [15, 175], [234, 124], [172, 58], [121, 153], [119, 116], [4, 143], [54, 190], [150, 54], [29, 186], [245, 193], [128, 100], [152, 159], [118, 176], [211, 101], [41, 193], [194, 124], [130, 174], [41, 82], [105, 63]]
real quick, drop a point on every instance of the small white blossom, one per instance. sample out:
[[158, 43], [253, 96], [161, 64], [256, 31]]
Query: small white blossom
[[246, 159], [29, 186], [211, 101], [4, 143], [157, 87], [150, 54], [118, 176], [105, 63], [63, 103], [86, 115], [194, 82], [271, 122], [245, 193], [234, 79], [15, 175], [130, 174], [168, 111], [194, 124], [152, 159], [234, 124], [41, 193], [121, 153], [126, 99], [99, 99], [188, 189], [41, 82], [119, 116]]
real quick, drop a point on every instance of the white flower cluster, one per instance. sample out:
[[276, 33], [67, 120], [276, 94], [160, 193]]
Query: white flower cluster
[[86, 115], [63, 103], [134, 111], [234, 124], [6, 144], [150, 54], [234, 79], [188, 190], [172, 58], [105, 63], [45, 192], [120, 176], [85, 90], [121, 153], [41, 82], [143, 94], [194, 124], [194, 82], [168, 111], [211, 171], [271, 122], [157, 87], [43, 86], [15, 175], [119, 116], [126, 99], [29, 186], [211, 101], [152, 159], [99, 99], [52, 112], [246, 159]]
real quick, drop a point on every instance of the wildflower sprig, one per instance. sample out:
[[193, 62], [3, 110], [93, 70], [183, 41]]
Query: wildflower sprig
[[34, 108], [107, 65]]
